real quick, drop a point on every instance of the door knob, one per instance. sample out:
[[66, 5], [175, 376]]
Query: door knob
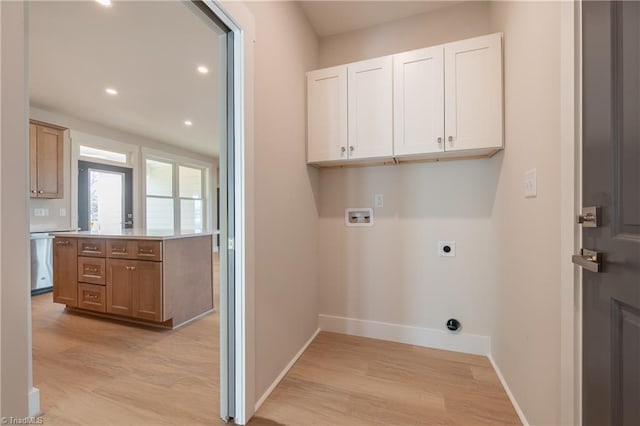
[[588, 259]]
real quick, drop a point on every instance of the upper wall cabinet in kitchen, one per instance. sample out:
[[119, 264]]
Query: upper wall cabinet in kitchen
[[439, 102], [46, 171]]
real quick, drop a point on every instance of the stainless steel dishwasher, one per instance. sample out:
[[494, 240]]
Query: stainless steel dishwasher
[[41, 262]]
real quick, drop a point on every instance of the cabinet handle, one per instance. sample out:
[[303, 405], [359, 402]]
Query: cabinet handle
[[91, 269], [130, 268], [145, 251], [450, 138], [90, 248], [343, 149], [91, 296], [118, 250], [63, 243], [439, 139], [33, 191], [41, 192], [351, 148]]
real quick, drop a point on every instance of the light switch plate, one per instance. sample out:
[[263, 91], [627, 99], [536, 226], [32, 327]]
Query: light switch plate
[[531, 184]]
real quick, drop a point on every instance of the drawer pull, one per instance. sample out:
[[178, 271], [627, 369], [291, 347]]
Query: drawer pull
[[91, 296], [91, 248], [130, 268], [91, 269], [147, 252], [118, 250], [63, 243]]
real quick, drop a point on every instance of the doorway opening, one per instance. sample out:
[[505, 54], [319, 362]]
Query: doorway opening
[[120, 90]]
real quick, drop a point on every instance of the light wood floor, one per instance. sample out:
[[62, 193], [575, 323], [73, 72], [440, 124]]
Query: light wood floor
[[346, 380], [93, 371]]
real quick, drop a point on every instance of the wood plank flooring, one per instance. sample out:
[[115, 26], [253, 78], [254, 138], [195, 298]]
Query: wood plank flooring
[[353, 381], [96, 372]]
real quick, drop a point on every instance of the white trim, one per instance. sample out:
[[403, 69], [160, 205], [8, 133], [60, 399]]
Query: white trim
[[284, 372], [570, 184], [512, 398], [419, 336], [34, 402]]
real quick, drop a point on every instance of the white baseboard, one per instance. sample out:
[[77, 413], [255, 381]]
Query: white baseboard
[[428, 337], [284, 372], [523, 419], [34, 402]]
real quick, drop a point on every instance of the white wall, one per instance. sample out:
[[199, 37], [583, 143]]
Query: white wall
[[15, 311], [526, 336], [392, 272], [441, 26], [286, 217]]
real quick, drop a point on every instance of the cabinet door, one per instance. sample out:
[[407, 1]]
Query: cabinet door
[[418, 102], [473, 93], [49, 151], [33, 160], [327, 114], [370, 109], [120, 286], [65, 271], [147, 290]]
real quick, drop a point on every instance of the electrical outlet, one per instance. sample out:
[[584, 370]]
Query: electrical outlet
[[530, 184], [379, 201], [447, 248]]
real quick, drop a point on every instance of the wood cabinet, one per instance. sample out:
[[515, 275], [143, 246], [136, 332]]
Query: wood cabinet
[[370, 113], [444, 101], [134, 288], [46, 150], [65, 271], [156, 281], [327, 115]]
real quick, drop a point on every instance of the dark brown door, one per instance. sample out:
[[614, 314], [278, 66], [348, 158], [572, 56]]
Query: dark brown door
[[147, 290], [611, 170], [119, 286]]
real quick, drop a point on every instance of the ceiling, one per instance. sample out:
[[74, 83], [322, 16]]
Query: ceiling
[[335, 17], [149, 52]]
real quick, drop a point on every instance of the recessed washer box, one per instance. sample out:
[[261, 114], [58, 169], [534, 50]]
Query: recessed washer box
[[358, 217]]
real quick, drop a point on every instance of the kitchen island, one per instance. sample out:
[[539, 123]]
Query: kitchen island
[[160, 278]]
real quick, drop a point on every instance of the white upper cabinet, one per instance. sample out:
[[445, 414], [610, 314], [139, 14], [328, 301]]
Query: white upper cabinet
[[439, 102], [327, 115], [370, 109], [473, 93], [418, 102]]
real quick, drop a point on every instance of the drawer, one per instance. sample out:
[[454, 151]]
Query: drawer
[[122, 249], [91, 270], [91, 247], [92, 297], [149, 250]]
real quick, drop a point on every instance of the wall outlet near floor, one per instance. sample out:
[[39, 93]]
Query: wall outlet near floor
[[530, 184], [447, 248]]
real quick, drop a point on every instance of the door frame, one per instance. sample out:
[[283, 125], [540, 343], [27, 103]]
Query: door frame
[[18, 397], [571, 202]]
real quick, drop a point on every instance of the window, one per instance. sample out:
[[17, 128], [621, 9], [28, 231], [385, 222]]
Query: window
[[101, 154], [175, 196]]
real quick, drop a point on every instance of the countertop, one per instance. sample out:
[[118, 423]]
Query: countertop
[[134, 234]]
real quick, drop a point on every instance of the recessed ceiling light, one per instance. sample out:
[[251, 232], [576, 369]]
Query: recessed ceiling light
[[105, 3], [188, 123], [111, 91], [203, 70]]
